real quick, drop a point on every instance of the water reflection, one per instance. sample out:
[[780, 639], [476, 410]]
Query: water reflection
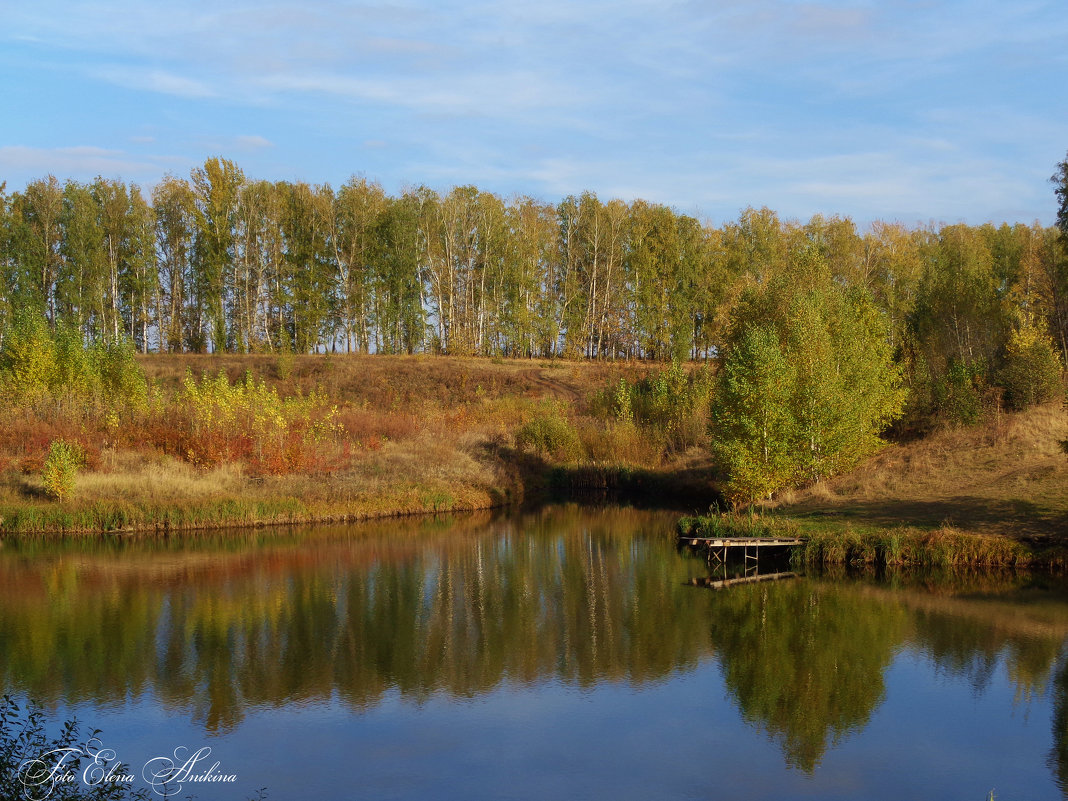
[[805, 660], [217, 625], [580, 597]]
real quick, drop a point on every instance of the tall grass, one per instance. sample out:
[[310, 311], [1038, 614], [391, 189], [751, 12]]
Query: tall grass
[[668, 407], [843, 545], [942, 547]]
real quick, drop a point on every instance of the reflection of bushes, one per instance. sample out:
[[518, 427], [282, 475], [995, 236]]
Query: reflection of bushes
[[424, 613], [805, 662]]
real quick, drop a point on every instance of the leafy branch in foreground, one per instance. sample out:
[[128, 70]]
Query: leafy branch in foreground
[[33, 764], [70, 766]]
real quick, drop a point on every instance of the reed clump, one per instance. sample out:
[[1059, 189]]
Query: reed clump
[[945, 546], [735, 524]]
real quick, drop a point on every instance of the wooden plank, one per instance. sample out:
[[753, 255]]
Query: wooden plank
[[740, 542]]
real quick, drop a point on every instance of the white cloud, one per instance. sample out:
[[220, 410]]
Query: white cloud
[[253, 142], [78, 160], [154, 81], [849, 106]]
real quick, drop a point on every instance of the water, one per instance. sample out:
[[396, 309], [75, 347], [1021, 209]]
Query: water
[[560, 654]]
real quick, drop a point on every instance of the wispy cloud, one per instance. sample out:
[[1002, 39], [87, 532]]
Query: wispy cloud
[[885, 108], [252, 142], [78, 160], [154, 81]]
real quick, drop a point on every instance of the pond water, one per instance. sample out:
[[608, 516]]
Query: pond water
[[556, 654]]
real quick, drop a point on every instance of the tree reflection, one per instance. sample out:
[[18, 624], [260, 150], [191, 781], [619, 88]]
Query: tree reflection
[[579, 596], [574, 595], [1059, 754], [805, 660]]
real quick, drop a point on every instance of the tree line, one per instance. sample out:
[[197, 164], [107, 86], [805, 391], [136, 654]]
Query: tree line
[[219, 261], [222, 262]]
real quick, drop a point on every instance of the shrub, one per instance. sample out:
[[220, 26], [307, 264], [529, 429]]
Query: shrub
[[283, 365], [74, 379], [1031, 372], [213, 421], [959, 395], [27, 360], [61, 468], [38, 366], [669, 406], [549, 434], [121, 380]]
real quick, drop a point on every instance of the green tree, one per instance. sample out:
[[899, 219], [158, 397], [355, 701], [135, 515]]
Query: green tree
[[752, 424], [358, 208], [216, 190], [174, 205], [84, 259], [822, 353], [398, 292], [1057, 266], [40, 208], [960, 321]]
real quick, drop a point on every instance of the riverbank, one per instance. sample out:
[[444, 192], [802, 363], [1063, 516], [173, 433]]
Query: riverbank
[[412, 435], [992, 495], [407, 435]]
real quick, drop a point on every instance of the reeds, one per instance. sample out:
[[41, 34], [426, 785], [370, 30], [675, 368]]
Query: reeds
[[829, 545], [942, 547]]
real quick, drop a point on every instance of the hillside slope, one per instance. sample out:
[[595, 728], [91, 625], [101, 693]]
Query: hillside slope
[[1009, 476]]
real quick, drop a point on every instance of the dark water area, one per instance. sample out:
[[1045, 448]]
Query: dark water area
[[563, 653]]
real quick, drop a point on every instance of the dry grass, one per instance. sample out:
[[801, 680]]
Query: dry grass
[[1009, 476], [422, 433], [133, 477], [405, 383], [417, 434]]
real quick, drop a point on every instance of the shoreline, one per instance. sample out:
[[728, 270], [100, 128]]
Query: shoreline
[[527, 484], [836, 543]]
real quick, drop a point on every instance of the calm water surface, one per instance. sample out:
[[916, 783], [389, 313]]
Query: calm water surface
[[555, 655]]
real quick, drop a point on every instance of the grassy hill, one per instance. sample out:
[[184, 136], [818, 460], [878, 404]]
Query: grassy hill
[[417, 434], [411, 434], [1008, 476]]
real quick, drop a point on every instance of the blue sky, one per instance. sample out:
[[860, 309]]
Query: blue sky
[[910, 110]]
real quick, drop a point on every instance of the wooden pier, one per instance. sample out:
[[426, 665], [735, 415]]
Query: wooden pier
[[718, 548]]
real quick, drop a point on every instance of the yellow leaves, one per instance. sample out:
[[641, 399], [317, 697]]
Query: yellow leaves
[[249, 417]]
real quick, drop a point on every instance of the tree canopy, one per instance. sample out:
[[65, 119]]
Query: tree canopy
[[808, 381]]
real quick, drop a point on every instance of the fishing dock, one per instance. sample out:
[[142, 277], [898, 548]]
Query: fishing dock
[[718, 549]]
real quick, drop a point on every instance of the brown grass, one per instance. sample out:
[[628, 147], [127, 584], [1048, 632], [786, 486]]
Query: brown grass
[[406, 383], [416, 434], [1008, 477]]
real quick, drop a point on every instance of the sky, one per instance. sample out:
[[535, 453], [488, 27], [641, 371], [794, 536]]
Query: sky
[[918, 111]]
